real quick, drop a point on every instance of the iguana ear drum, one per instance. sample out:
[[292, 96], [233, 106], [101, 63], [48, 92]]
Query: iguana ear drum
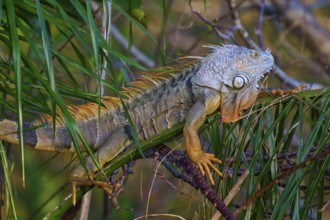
[[238, 82]]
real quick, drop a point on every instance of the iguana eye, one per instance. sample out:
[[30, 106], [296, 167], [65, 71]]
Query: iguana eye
[[255, 54], [238, 82]]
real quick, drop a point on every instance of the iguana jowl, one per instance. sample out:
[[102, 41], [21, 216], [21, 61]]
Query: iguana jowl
[[225, 80]]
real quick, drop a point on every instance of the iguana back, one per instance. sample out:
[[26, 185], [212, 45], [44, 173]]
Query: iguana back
[[155, 102]]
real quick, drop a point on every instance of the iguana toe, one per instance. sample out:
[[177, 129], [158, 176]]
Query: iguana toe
[[107, 186], [205, 162]]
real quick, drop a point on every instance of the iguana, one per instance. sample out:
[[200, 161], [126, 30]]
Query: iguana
[[225, 80]]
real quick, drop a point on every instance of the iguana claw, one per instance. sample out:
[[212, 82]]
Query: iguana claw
[[83, 181], [110, 188], [205, 162]]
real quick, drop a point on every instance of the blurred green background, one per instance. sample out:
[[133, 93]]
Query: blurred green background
[[58, 52]]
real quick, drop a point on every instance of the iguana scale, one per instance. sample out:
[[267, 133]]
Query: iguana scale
[[225, 80]]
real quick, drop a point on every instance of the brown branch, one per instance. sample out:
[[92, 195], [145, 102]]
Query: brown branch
[[289, 157], [240, 28], [306, 27], [155, 169], [195, 178], [277, 180], [280, 156], [258, 31], [233, 192], [214, 27], [249, 41]]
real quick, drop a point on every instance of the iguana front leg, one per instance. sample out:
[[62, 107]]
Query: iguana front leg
[[195, 118]]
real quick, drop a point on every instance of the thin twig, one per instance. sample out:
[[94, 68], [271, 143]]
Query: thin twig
[[138, 55], [291, 81], [236, 187], [214, 27], [233, 192], [85, 205], [179, 159], [277, 180], [249, 41], [280, 156], [258, 31], [240, 28], [106, 29], [156, 167], [106, 26]]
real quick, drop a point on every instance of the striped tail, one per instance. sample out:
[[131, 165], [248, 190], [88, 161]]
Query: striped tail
[[8, 132], [40, 135], [37, 136]]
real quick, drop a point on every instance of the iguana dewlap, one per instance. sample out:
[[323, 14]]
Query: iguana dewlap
[[225, 80]]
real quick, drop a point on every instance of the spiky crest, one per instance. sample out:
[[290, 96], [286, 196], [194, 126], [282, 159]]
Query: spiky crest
[[130, 93]]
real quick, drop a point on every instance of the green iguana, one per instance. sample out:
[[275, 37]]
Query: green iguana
[[225, 80]]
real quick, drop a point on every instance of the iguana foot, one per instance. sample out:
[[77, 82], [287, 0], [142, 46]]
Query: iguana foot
[[205, 162], [279, 92], [112, 189], [77, 181], [105, 185]]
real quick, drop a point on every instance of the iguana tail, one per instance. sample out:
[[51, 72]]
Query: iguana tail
[[8, 132], [35, 135]]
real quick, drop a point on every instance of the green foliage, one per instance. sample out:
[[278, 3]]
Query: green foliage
[[8, 182], [54, 54]]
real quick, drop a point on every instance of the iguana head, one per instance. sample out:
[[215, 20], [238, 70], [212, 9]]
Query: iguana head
[[234, 71]]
